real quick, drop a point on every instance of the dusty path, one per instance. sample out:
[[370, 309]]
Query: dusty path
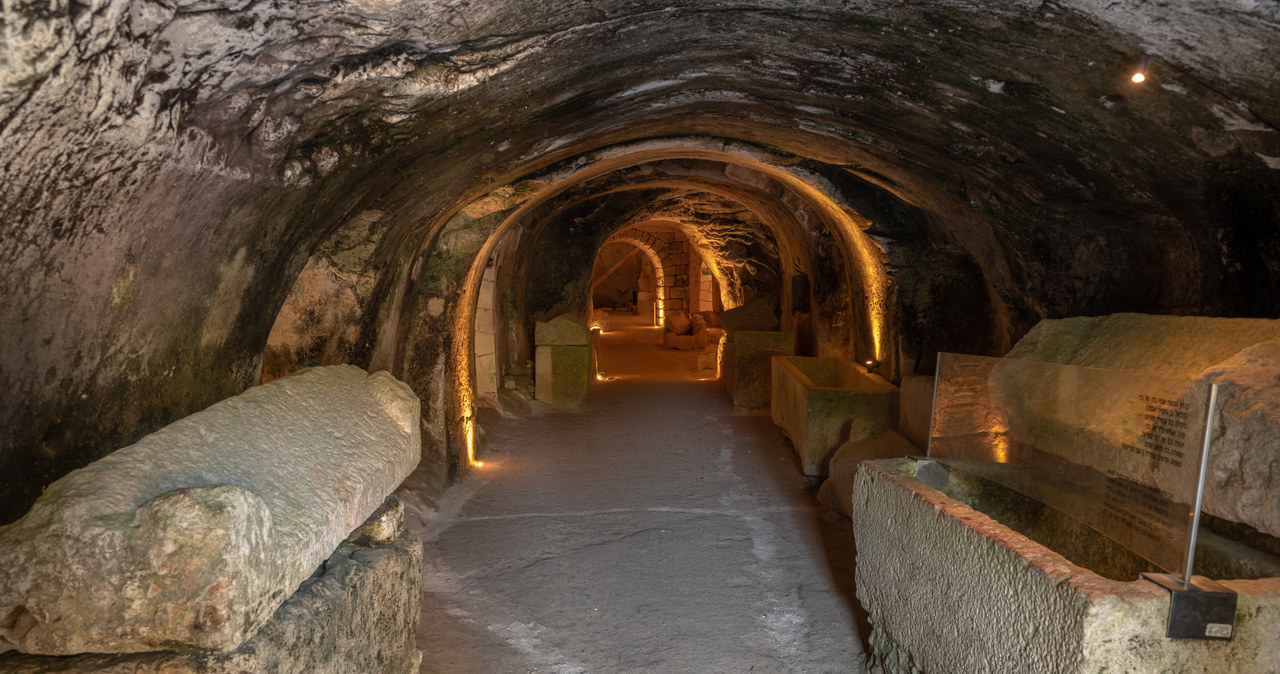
[[652, 531]]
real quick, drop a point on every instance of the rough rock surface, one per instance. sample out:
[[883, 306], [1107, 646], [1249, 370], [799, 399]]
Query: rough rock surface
[[170, 168], [868, 441], [562, 330], [759, 315], [1243, 484], [677, 322], [193, 536], [1241, 355], [357, 614], [929, 565]]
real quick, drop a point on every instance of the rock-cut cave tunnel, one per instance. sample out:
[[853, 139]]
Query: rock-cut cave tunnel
[[198, 196]]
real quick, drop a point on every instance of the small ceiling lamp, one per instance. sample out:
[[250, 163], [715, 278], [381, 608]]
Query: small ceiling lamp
[[1140, 72]]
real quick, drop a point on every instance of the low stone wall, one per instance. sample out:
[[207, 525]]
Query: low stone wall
[[194, 536], [814, 400], [359, 613], [949, 590]]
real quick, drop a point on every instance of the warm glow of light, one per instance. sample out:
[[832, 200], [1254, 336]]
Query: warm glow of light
[[867, 254], [469, 430], [479, 464], [724, 339], [1138, 78], [1000, 448]]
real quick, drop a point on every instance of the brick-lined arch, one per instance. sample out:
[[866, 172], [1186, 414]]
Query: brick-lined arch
[[668, 249]]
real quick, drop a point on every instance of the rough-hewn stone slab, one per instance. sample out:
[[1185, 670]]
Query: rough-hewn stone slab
[[868, 441], [194, 536], [563, 330], [930, 565], [758, 316], [360, 615], [1242, 355]]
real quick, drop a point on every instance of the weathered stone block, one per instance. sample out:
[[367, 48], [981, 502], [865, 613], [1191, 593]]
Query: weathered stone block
[[485, 344], [1241, 355], [677, 322], [747, 368], [1243, 481], [193, 536], [563, 330], [487, 375], [927, 562], [562, 374], [814, 400], [360, 614], [868, 441], [757, 316]]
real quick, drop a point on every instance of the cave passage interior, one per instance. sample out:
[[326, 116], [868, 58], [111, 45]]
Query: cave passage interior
[[197, 197]]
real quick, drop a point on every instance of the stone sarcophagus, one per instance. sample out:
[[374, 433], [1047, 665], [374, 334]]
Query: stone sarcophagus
[[191, 538], [1067, 534], [948, 588], [815, 400]]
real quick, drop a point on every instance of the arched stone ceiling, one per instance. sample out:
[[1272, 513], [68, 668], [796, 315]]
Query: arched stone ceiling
[[168, 168]]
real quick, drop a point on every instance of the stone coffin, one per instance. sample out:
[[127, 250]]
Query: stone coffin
[[814, 400], [359, 613], [192, 537], [949, 589], [1241, 355], [746, 365]]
